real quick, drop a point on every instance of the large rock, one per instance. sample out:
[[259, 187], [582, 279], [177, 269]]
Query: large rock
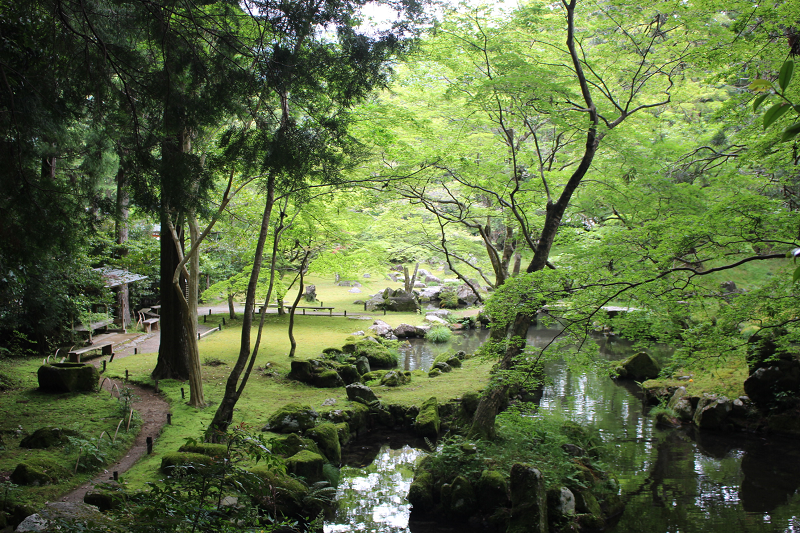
[[381, 328], [68, 377], [307, 465], [292, 417], [682, 404], [712, 413], [493, 491], [83, 517], [528, 500], [428, 423], [420, 493], [358, 392], [430, 293], [394, 378], [638, 367], [406, 331], [466, 296], [462, 498], [774, 381], [327, 438], [46, 437]]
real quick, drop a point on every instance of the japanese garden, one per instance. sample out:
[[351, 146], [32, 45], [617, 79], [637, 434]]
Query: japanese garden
[[399, 266]]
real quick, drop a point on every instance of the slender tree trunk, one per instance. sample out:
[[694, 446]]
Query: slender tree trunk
[[484, 420], [122, 292], [294, 305], [196, 395], [231, 310], [224, 414]]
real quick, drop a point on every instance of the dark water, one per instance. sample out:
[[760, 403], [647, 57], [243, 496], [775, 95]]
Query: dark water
[[672, 480]]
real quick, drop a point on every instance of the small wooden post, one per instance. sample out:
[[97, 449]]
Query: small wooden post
[[198, 336], [116, 475], [104, 365], [223, 321], [209, 312], [183, 393], [126, 374], [204, 319], [135, 351], [157, 386], [169, 418], [149, 445]]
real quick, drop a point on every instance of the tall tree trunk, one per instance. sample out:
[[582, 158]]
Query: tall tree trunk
[[173, 351], [122, 292]]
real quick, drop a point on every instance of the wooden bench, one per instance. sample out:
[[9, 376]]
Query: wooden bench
[[74, 354], [150, 323], [303, 307]]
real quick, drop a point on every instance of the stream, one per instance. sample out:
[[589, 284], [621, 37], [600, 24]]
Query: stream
[[672, 480]]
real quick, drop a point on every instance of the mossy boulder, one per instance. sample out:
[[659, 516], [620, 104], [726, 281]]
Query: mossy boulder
[[276, 491], [105, 496], [469, 402], [362, 365], [462, 498], [528, 500], [374, 375], [444, 367], [292, 417], [358, 392], [68, 377], [378, 355], [301, 371], [493, 491], [33, 475], [46, 437], [638, 367], [427, 423], [328, 379], [395, 378], [434, 372], [348, 373], [343, 431], [327, 438], [288, 445], [307, 465], [216, 451], [420, 493], [355, 415], [186, 461]]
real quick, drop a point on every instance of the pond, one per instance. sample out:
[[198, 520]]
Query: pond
[[672, 480]]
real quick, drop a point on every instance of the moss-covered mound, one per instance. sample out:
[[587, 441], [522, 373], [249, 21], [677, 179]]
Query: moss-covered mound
[[380, 354], [48, 436], [185, 461], [292, 417], [68, 377], [499, 485]]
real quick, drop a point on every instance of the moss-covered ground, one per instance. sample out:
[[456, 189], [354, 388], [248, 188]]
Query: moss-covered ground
[[267, 390]]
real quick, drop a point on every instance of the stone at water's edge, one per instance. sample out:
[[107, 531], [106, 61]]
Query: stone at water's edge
[[712, 413], [326, 436], [307, 465], [639, 367], [428, 423], [528, 500], [292, 417]]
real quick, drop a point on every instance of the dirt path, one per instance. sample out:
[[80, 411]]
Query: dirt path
[[152, 409]]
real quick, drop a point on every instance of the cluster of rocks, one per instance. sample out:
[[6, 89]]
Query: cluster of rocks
[[490, 499], [706, 412], [434, 317]]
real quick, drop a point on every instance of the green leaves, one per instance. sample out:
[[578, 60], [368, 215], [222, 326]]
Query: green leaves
[[785, 76], [775, 112], [759, 99]]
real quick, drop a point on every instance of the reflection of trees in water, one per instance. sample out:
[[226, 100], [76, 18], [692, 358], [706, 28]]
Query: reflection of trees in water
[[713, 482]]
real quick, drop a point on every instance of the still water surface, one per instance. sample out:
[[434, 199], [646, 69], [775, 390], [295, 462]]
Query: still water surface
[[675, 481]]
